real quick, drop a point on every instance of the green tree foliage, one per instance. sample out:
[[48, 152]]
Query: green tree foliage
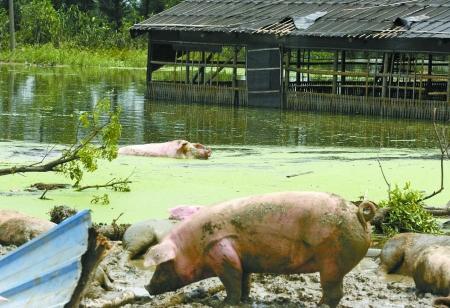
[[103, 124], [39, 23], [149, 7], [83, 5], [406, 212], [80, 23], [114, 10]]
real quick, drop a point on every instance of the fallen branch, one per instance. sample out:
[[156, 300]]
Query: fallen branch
[[111, 183], [436, 211], [67, 157]]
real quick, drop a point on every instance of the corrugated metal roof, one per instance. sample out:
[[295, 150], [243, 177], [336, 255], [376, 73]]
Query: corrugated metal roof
[[344, 18]]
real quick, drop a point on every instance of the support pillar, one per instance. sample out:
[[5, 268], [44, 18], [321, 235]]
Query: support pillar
[[343, 68], [335, 70], [386, 62], [149, 60], [234, 80]]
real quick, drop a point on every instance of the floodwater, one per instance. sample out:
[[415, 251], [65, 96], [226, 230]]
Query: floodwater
[[41, 104], [254, 150]]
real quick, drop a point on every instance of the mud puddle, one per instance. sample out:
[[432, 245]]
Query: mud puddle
[[365, 286]]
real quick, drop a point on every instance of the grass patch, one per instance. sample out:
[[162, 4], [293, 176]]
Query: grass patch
[[49, 55]]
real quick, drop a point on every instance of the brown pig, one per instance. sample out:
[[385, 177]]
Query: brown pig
[[282, 233], [431, 272], [400, 253], [173, 149]]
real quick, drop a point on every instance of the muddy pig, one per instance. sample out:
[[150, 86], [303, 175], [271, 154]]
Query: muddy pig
[[281, 233], [400, 253], [173, 149], [431, 272], [17, 228], [144, 234]]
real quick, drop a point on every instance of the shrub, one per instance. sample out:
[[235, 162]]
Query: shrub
[[406, 212]]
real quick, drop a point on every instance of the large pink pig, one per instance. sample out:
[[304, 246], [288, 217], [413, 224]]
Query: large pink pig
[[173, 149], [284, 233]]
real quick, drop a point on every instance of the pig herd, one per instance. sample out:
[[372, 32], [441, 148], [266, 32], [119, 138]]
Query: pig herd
[[279, 233]]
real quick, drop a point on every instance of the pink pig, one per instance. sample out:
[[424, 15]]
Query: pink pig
[[283, 233], [182, 212], [173, 149]]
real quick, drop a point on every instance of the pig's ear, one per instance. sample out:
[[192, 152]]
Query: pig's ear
[[160, 253], [183, 147]]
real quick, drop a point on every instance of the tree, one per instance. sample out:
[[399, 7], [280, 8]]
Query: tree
[[148, 7], [83, 5], [12, 31], [39, 22], [114, 11]]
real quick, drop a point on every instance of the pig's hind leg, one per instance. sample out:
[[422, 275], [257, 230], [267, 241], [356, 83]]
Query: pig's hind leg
[[226, 264], [246, 282]]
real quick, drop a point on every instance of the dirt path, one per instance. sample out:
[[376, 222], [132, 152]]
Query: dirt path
[[363, 287]]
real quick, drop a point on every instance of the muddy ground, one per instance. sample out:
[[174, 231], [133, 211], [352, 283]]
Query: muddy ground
[[365, 286]]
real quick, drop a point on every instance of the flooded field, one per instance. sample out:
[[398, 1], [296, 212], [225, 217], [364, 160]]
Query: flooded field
[[254, 150]]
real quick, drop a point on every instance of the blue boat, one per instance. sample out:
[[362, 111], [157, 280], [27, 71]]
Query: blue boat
[[47, 271]]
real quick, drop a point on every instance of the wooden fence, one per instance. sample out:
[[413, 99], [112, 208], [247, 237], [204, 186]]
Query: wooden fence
[[374, 106], [195, 93]]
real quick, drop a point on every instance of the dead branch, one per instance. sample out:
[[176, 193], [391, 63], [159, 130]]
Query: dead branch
[[111, 184], [437, 211], [443, 146], [43, 197], [384, 177]]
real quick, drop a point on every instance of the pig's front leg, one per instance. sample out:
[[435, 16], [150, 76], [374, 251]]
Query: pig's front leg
[[226, 264]]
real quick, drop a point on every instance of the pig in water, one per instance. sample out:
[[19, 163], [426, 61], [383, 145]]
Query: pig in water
[[284, 233], [173, 149]]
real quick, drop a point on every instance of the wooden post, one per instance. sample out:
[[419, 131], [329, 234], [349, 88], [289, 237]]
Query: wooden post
[[335, 74], [308, 65], [421, 79], [234, 80], [175, 77], [12, 32], [286, 77], [202, 69], [297, 75], [149, 61], [367, 54], [384, 89], [448, 82], [430, 72], [187, 66], [343, 69]]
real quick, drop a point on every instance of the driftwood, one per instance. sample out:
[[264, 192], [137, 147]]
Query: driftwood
[[438, 211]]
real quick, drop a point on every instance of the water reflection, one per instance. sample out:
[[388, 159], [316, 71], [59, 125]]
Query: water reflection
[[42, 104]]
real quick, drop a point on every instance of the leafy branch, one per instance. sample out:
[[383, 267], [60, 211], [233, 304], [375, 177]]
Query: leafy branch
[[101, 129]]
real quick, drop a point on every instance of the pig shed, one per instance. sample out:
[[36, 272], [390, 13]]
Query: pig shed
[[384, 58]]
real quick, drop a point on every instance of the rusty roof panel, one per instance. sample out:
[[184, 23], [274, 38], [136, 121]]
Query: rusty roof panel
[[344, 18]]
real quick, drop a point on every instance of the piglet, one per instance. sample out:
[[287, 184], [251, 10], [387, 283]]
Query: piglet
[[282, 233]]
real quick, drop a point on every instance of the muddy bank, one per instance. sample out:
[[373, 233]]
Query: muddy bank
[[365, 286]]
